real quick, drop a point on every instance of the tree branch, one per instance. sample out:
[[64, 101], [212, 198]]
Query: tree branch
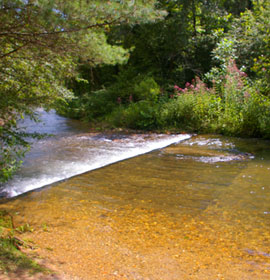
[[60, 31], [13, 51]]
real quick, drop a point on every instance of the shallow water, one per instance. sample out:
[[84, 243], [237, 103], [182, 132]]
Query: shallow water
[[71, 150], [199, 209]]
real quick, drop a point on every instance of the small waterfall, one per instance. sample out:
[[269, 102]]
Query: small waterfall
[[72, 151]]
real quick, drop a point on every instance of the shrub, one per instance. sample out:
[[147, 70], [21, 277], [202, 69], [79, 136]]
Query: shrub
[[147, 89], [98, 104], [140, 115], [91, 106], [237, 109], [194, 107], [233, 108], [178, 112]]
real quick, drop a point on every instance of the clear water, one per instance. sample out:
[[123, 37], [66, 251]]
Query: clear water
[[198, 209]]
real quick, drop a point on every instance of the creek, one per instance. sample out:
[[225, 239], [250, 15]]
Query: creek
[[69, 150], [187, 208]]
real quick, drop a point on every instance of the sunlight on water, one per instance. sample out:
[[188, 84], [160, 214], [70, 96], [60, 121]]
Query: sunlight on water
[[164, 215], [72, 151]]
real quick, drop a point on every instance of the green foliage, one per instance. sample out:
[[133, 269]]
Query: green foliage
[[141, 115], [179, 47], [196, 37], [131, 87], [147, 89], [11, 154], [237, 109], [97, 104], [249, 43], [123, 87], [179, 112], [42, 43], [234, 107], [194, 108]]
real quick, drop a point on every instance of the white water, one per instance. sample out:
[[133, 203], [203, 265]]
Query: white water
[[72, 151]]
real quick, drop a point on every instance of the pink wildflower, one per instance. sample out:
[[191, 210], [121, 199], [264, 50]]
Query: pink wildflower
[[243, 74], [240, 84], [119, 100], [187, 85], [130, 98]]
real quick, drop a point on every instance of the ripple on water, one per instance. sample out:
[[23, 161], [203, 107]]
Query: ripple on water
[[63, 157], [157, 217]]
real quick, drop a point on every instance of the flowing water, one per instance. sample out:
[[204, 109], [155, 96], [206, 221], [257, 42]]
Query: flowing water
[[198, 209], [69, 150]]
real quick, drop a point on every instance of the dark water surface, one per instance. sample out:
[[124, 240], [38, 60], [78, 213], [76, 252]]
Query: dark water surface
[[199, 209]]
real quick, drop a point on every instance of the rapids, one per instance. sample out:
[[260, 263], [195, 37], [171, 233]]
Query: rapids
[[71, 150]]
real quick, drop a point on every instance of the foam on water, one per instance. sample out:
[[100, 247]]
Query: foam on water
[[54, 159]]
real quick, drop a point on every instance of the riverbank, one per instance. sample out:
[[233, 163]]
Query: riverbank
[[14, 263], [234, 108]]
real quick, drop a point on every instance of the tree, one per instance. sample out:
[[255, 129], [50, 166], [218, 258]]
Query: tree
[[178, 47], [248, 43], [172, 50], [40, 43]]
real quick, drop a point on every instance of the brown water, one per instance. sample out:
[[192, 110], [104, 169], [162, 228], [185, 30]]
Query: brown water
[[196, 210]]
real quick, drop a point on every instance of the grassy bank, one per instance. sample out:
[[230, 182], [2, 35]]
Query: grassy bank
[[14, 264]]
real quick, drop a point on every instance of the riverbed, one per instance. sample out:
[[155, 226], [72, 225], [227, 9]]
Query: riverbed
[[196, 209]]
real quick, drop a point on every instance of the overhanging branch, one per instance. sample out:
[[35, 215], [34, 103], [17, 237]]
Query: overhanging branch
[[13, 51], [61, 31]]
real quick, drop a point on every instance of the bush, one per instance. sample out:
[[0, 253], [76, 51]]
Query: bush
[[98, 104], [233, 108], [193, 108], [237, 109], [147, 89], [89, 107], [178, 112], [140, 115]]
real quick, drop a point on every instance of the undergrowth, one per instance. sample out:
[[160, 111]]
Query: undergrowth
[[230, 106]]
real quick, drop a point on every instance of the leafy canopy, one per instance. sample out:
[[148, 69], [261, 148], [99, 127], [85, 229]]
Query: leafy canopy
[[41, 41]]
